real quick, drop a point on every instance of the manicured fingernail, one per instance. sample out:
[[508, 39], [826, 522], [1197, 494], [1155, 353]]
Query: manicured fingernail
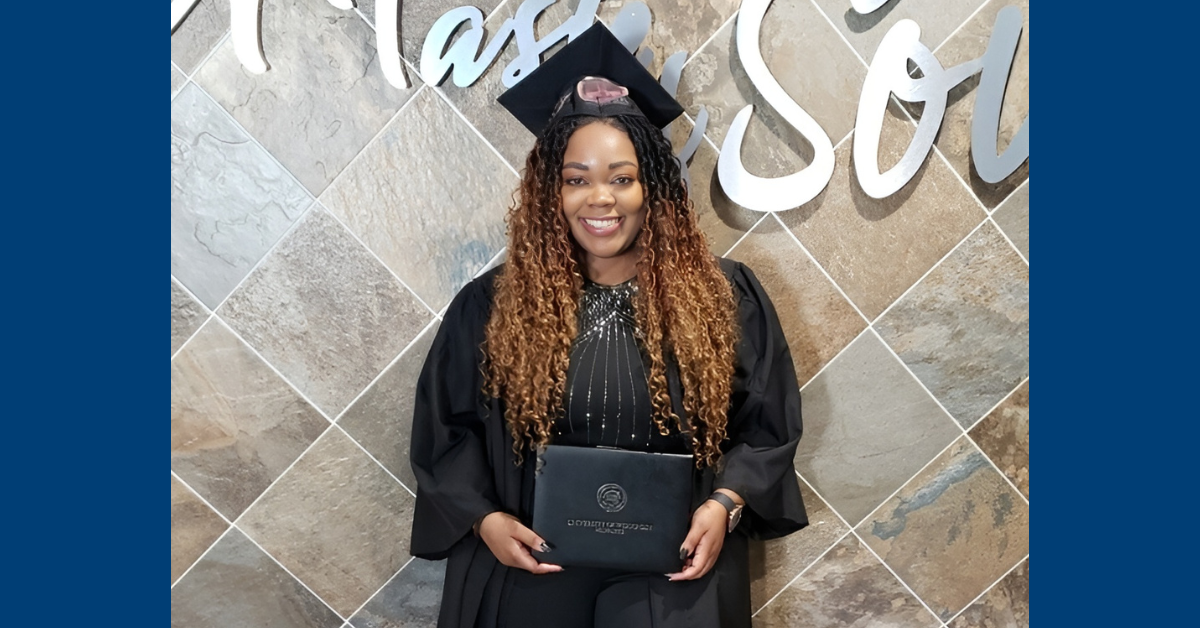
[[683, 553], [544, 547], [667, 575]]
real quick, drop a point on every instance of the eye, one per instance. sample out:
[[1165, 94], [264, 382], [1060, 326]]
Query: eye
[[573, 181], [624, 180]]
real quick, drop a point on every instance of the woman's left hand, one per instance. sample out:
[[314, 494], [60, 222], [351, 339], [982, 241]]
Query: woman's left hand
[[704, 541]]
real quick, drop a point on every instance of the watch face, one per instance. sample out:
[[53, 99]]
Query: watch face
[[734, 518]]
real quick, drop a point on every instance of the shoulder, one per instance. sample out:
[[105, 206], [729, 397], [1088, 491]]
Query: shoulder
[[744, 281], [475, 299]]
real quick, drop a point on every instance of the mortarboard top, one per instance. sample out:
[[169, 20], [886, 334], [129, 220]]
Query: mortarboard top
[[595, 52]]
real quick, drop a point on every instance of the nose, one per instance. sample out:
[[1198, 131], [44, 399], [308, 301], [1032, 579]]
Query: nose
[[601, 195]]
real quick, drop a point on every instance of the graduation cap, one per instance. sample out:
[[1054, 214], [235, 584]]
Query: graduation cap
[[592, 75]]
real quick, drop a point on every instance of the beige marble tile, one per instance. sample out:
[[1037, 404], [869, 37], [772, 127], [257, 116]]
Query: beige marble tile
[[810, 62], [337, 521], [722, 221], [411, 600], [203, 27], [434, 215], [937, 19], [847, 588], [194, 527], [177, 80], [964, 330], [235, 425], [954, 139], [381, 419], [1004, 436], [875, 249], [325, 312], [230, 202], [236, 584], [952, 531], [324, 96], [817, 320], [868, 427], [1012, 216], [1006, 605], [187, 315], [675, 25], [774, 563]]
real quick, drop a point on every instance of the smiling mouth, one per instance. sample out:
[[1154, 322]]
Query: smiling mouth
[[600, 223]]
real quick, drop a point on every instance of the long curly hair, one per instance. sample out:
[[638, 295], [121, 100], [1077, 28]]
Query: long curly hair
[[684, 305]]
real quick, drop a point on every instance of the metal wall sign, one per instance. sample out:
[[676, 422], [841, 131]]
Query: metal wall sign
[[468, 57]]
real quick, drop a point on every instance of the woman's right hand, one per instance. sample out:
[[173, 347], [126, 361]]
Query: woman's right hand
[[511, 542]]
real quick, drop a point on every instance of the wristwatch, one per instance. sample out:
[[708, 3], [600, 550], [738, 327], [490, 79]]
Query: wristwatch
[[735, 510]]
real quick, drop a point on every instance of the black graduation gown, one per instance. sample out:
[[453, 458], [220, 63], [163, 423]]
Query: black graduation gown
[[461, 451]]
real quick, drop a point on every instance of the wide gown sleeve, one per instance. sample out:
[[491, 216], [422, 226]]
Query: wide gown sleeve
[[455, 485], [764, 418]]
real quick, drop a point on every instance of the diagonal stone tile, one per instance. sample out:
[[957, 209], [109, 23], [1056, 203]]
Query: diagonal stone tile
[[433, 219], [875, 249], [794, 35], [775, 563], [236, 584], [954, 138], [235, 425], [324, 96], [337, 521], [952, 531], [1004, 436], [194, 527], [417, 17], [1012, 216], [860, 447], [849, 588], [203, 27], [381, 419], [722, 221], [675, 25], [230, 202], [817, 321], [937, 18], [964, 330], [186, 315], [413, 598], [325, 312], [1006, 605], [177, 80]]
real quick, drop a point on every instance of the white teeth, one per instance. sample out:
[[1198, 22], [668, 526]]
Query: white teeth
[[601, 222]]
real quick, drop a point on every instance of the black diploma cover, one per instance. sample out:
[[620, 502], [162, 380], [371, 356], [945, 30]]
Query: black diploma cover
[[607, 507]]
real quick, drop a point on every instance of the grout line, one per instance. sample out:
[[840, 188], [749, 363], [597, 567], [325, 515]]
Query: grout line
[[835, 357], [898, 578], [220, 536], [988, 589], [1008, 240], [840, 34], [209, 55], [381, 587], [189, 338], [197, 301], [228, 523], [709, 40], [289, 572], [486, 267], [389, 365], [920, 279], [376, 461], [1010, 195], [908, 481], [380, 260], [821, 267], [437, 90], [920, 383], [802, 572], [748, 232], [1003, 475], [960, 26]]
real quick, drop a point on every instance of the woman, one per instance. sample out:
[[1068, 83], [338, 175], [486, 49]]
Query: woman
[[610, 324]]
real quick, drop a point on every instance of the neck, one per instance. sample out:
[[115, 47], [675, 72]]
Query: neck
[[611, 271]]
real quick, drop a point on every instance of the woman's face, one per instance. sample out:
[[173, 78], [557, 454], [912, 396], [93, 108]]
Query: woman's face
[[603, 200]]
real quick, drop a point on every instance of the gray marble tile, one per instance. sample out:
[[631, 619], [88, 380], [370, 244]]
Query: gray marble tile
[[954, 138], [722, 221], [937, 19], [236, 584], [775, 563], [1004, 436], [817, 320], [411, 600], [432, 217], [952, 531], [194, 527], [381, 419], [230, 202], [847, 588], [964, 330], [868, 427], [324, 96], [1012, 216], [875, 249], [1006, 605], [187, 315], [675, 25], [325, 312], [337, 521], [203, 27], [235, 425], [177, 80], [793, 35]]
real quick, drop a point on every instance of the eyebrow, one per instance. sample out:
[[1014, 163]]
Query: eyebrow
[[613, 166]]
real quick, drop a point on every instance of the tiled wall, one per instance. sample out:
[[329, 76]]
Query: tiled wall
[[321, 219]]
